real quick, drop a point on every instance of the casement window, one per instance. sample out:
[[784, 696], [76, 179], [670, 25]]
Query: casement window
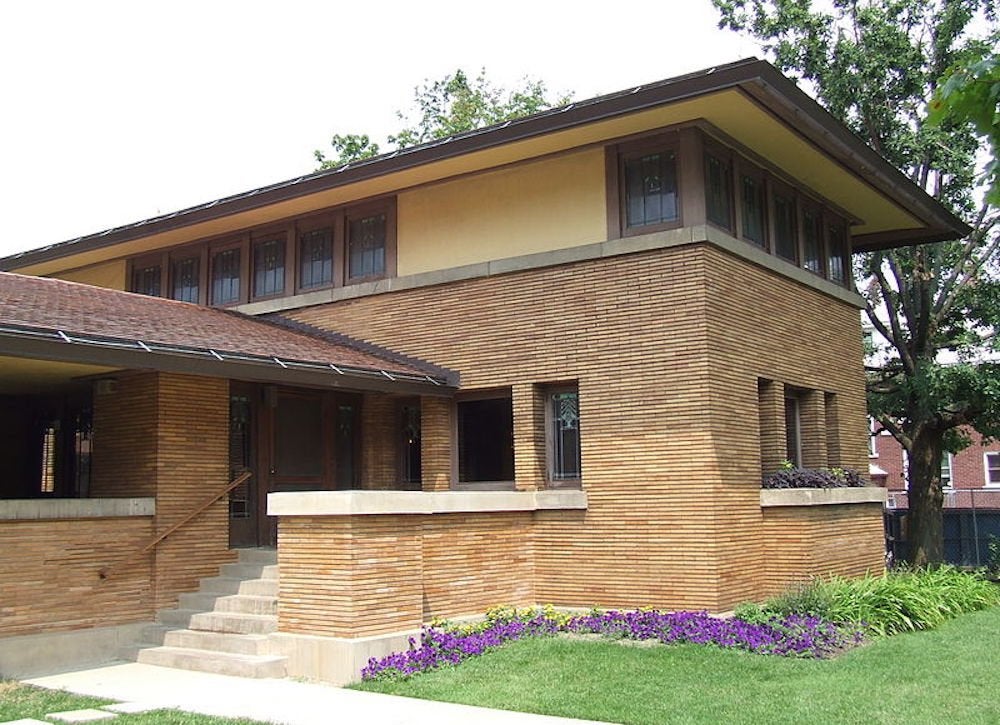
[[643, 186], [947, 460], [793, 430], [753, 202], [785, 225], [836, 236], [185, 278], [991, 464], [409, 444], [485, 425], [226, 274], [812, 239], [562, 422], [269, 266], [719, 189], [336, 247], [147, 277]]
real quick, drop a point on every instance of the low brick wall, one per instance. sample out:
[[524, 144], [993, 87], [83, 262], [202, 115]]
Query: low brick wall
[[819, 533], [49, 574]]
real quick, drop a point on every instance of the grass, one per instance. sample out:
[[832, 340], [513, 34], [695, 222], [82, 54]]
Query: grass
[[19, 701], [942, 675]]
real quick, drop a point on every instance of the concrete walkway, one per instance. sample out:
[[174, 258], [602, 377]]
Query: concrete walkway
[[277, 701]]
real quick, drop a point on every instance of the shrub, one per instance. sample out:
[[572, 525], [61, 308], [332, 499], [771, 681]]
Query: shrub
[[814, 478], [898, 601]]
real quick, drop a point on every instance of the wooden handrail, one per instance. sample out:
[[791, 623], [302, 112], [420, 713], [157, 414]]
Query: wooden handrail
[[242, 478]]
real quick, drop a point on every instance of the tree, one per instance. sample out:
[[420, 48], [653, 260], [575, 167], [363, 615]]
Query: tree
[[875, 64], [446, 107]]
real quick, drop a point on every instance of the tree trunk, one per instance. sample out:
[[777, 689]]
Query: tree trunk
[[925, 521]]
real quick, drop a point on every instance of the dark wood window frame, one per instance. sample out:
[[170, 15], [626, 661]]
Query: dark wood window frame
[[553, 479], [724, 156], [744, 169], [473, 396], [290, 230], [617, 198], [780, 189]]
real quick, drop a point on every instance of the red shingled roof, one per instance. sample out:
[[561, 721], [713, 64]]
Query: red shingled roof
[[81, 310]]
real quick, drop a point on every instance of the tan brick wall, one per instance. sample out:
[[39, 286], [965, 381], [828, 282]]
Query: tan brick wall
[[192, 463], [379, 433], [49, 580], [436, 422], [124, 447], [846, 540], [667, 348]]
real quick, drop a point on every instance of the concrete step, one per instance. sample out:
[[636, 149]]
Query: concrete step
[[249, 571], [231, 585], [221, 663], [258, 556], [233, 622], [240, 644], [211, 602], [176, 617]]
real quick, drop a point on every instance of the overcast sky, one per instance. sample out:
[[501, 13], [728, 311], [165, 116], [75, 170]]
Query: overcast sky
[[113, 112]]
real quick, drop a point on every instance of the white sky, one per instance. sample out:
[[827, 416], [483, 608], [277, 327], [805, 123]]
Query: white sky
[[113, 112]]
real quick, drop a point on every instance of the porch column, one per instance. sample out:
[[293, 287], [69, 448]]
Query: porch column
[[529, 437], [379, 430], [436, 436]]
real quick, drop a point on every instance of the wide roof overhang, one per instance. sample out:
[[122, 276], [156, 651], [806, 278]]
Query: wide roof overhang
[[50, 358], [749, 101]]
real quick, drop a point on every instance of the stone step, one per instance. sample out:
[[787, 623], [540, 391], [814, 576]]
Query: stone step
[[176, 617], [211, 602], [249, 571], [233, 622], [221, 663], [231, 585], [258, 556], [240, 644]]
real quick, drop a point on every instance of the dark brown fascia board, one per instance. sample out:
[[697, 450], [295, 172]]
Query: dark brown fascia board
[[39, 347], [784, 99], [747, 73]]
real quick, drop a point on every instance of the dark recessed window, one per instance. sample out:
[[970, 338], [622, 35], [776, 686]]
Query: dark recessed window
[[563, 416], [837, 258], [226, 277], [485, 440], [812, 241], [719, 191], [410, 459], [785, 228], [146, 279], [316, 258], [269, 267], [366, 246], [752, 209], [651, 189], [793, 432], [185, 276]]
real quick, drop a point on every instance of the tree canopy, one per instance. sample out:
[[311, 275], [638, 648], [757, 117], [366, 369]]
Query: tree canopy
[[876, 65], [445, 107]]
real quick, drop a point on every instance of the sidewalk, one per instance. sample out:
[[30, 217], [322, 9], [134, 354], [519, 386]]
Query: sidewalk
[[278, 701]]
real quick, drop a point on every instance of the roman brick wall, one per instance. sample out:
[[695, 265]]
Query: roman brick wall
[[379, 444], [842, 539], [49, 574], [123, 462]]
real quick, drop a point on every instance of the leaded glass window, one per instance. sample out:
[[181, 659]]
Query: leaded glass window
[[366, 246], [564, 435], [812, 242], [316, 258], [719, 191], [837, 260], [752, 200], [146, 280], [785, 228], [226, 277], [651, 189], [186, 282], [269, 267]]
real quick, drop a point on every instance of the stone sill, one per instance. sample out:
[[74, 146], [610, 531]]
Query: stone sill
[[75, 508], [353, 503], [821, 496]]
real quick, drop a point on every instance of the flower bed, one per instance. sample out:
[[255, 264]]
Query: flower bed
[[794, 635]]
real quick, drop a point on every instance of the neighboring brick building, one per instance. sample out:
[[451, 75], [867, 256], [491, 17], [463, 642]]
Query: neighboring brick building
[[587, 334]]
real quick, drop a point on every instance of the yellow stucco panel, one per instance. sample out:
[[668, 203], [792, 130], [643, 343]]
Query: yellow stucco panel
[[554, 203], [109, 274]]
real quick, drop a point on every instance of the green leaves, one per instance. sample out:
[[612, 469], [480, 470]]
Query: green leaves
[[454, 104]]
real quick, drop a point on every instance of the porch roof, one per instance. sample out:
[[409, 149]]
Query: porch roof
[[52, 319]]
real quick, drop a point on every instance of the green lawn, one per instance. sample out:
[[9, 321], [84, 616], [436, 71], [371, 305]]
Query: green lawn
[[19, 701], [946, 675]]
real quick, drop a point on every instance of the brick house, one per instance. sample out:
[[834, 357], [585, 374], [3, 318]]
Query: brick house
[[971, 482], [546, 361]]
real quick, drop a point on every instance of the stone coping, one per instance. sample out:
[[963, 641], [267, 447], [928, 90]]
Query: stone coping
[[351, 503], [75, 508], [821, 496]]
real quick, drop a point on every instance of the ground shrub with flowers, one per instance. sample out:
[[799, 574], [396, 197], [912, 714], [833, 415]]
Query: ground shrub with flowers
[[442, 644]]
